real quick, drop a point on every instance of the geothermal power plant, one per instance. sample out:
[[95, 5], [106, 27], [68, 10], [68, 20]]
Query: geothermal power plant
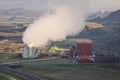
[[81, 50]]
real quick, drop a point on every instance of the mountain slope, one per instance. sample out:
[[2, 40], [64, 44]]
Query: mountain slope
[[106, 39], [101, 14], [113, 18]]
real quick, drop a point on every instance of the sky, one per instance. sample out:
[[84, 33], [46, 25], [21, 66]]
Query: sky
[[90, 5]]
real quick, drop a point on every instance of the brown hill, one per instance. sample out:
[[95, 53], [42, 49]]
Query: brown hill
[[93, 25], [9, 46]]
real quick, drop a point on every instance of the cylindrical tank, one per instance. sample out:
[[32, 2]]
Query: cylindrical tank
[[25, 52], [32, 52], [29, 52]]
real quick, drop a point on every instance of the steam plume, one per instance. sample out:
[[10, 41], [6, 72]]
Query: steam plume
[[63, 21]]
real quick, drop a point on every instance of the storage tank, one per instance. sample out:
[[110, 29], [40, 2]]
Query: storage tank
[[84, 51], [32, 52], [29, 52], [25, 52]]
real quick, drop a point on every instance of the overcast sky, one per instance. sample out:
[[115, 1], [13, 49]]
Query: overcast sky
[[91, 5]]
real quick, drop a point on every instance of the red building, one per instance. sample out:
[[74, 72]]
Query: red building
[[84, 51]]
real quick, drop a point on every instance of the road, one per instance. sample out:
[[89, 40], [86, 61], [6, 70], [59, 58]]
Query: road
[[26, 61], [20, 73]]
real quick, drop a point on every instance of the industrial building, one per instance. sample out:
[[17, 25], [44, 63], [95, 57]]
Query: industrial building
[[82, 50]]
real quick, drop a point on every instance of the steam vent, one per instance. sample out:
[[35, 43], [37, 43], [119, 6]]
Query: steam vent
[[29, 52]]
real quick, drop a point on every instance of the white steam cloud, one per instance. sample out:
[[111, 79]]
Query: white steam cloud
[[63, 21]]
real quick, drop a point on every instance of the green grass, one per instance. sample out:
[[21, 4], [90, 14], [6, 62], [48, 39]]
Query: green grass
[[7, 57], [73, 73], [3, 76], [9, 76], [4, 57], [61, 69], [64, 44], [65, 63]]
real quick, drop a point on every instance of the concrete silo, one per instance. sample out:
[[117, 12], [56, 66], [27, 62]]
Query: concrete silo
[[25, 52], [29, 52]]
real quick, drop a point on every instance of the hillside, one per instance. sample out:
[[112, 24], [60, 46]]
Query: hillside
[[100, 14], [113, 18], [105, 39], [93, 25], [19, 15]]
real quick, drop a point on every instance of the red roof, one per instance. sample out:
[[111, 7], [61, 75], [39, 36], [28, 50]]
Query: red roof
[[84, 41]]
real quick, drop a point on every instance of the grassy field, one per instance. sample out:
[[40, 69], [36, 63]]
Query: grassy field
[[62, 69], [9, 76]]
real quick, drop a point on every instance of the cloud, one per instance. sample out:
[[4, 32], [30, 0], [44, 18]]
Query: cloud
[[6, 4], [105, 5], [88, 5]]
